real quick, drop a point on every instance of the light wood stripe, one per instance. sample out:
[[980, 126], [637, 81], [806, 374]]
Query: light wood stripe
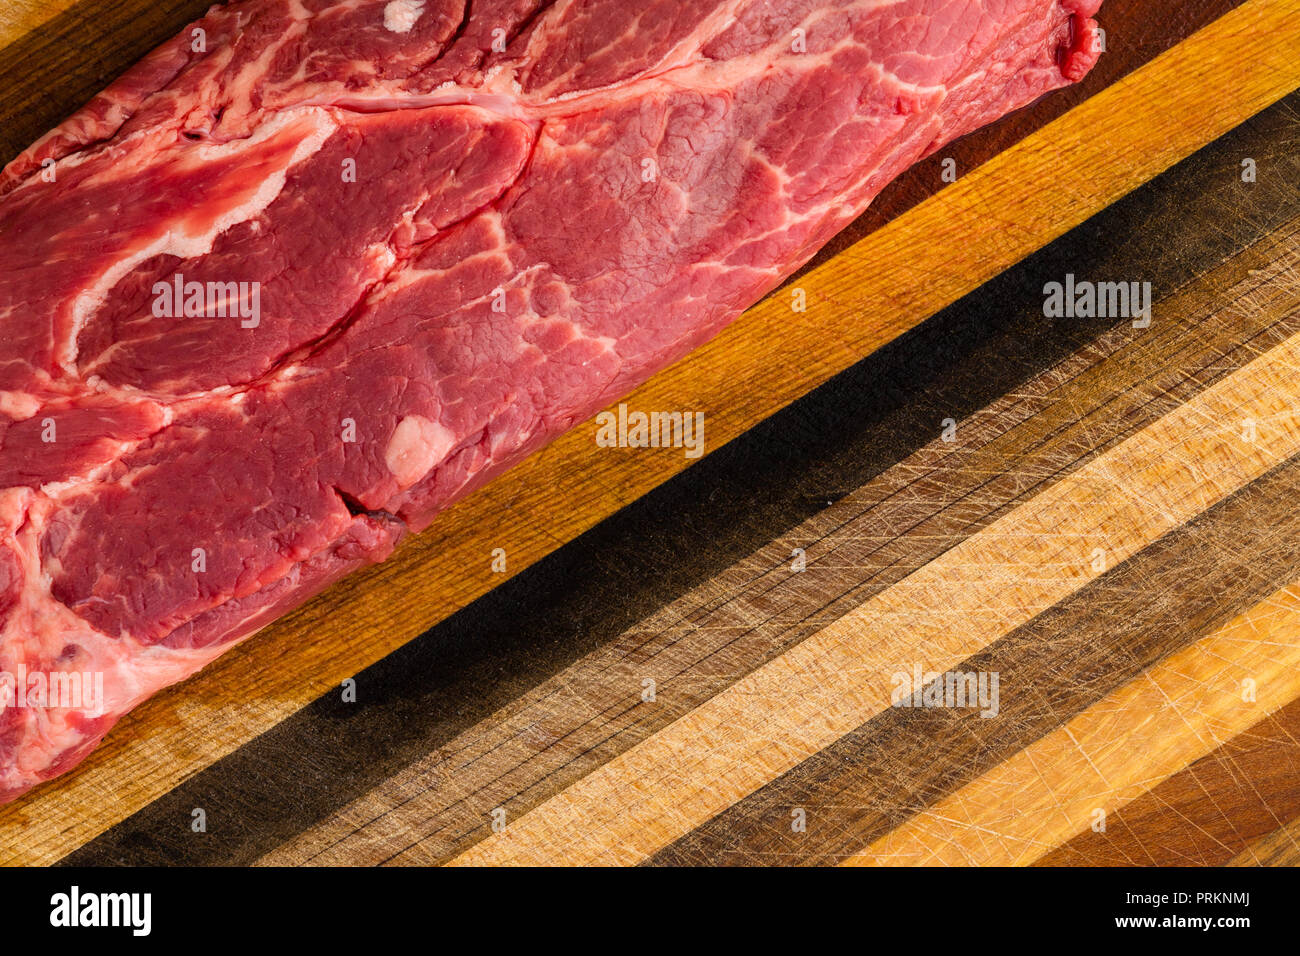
[[438, 805], [1113, 752], [20, 17], [1229, 802], [1001, 577], [927, 258], [1165, 598]]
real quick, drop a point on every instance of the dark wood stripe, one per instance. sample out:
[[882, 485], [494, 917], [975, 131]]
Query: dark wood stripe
[[864, 786], [900, 522], [1179, 589], [1245, 790], [689, 531]]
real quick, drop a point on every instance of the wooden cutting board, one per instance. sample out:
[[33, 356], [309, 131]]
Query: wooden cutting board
[[920, 471]]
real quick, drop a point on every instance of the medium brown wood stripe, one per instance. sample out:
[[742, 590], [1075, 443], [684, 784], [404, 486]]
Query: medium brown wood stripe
[[899, 522], [1279, 848], [865, 784], [825, 687], [1182, 587], [739, 379], [1245, 790], [1113, 752]]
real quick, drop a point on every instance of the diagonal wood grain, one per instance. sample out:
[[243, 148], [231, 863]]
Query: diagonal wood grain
[[868, 782], [1278, 848], [753, 611], [1114, 752], [833, 682], [1107, 635], [18, 18], [1233, 801]]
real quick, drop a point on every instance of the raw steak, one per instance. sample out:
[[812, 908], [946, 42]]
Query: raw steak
[[428, 237]]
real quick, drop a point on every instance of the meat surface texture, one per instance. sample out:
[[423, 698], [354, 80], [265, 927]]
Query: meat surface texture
[[432, 235]]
